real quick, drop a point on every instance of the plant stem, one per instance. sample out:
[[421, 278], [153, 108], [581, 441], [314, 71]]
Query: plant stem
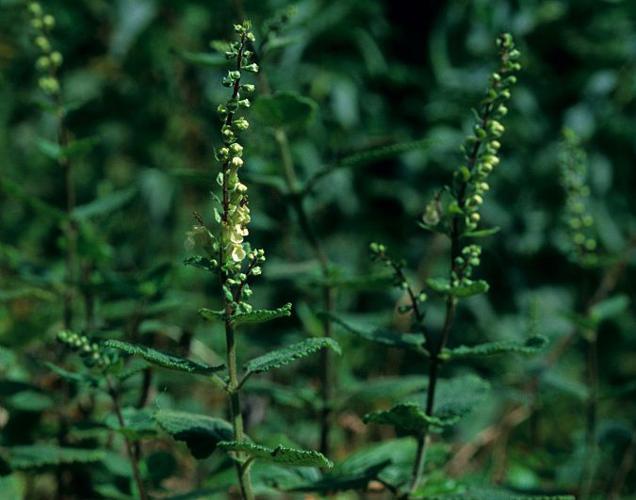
[[71, 229], [129, 448], [326, 358], [235, 405]]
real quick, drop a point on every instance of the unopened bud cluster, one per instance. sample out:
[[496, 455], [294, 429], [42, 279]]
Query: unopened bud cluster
[[379, 254], [578, 220], [49, 60], [91, 352], [464, 264], [481, 150]]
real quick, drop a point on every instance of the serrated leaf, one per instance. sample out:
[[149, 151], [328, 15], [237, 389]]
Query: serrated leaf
[[531, 345], [200, 433], [443, 286], [261, 315], [367, 156], [287, 355], [385, 336], [34, 456], [343, 481], [609, 308], [163, 359], [284, 109], [408, 417], [105, 204], [279, 455]]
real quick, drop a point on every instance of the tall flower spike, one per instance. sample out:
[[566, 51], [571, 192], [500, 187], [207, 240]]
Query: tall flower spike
[[579, 221], [481, 149]]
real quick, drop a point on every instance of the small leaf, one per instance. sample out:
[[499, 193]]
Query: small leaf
[[201, 433], [287, 355], [482, 233], [212, 315], [393, 338], [408, 417], [280, 455], [163, 359], [201, 263], [105, 204], [531, 345], [34, 456], [261, 315], [76, 377], [609, 308], [75, 148], [284, 109]]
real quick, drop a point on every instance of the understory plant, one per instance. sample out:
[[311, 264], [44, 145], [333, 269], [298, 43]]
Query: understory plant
[[455, 213]]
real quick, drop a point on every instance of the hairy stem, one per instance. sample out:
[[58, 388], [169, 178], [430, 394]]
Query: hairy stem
[[243, 473], [132, 457]]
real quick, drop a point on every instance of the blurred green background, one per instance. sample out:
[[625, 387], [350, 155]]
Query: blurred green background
[[145, 85]]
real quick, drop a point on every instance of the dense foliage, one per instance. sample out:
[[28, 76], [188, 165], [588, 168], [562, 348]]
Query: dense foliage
[[340, 249]]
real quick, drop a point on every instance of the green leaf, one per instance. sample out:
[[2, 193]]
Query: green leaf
[[212, 315], [200, 433], [139, 423], [284, 109], [377, 280], [287, 355], [15, 189], [390, 389], [443, 286], [163, 359], [482, 233], [531, 345], [201, 263], [280, 455], [105, 204], [408, 417], [76, 148], [609, 308], [75, 377], [367, 156], [385, 336], [34, 456], [208, 59], [261, 315]]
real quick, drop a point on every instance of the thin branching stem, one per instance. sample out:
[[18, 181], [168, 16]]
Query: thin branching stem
[[132, 457]]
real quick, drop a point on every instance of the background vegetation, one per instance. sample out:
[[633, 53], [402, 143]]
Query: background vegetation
[[143, 87]]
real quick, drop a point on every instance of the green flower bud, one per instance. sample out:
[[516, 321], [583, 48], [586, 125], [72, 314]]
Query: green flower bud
[[236, 149], [43, 63], [49, 21], [252, 68], [42, 43], [35, 9], [56, 59], [241, 124]]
